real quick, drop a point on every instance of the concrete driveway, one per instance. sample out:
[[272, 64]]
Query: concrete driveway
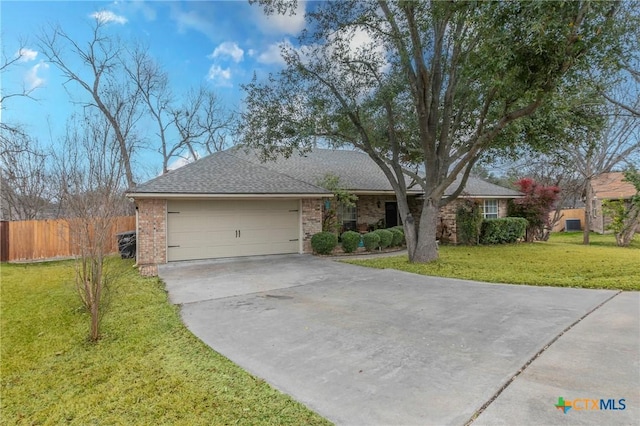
[[381, 347]]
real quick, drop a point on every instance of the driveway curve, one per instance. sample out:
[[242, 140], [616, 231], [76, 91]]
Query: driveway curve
[[364, 346]]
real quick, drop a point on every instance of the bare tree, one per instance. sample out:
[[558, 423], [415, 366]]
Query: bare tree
[[153, 85], [600, 151], [92, 182], [200, 121], [11, 132], [215, 122], [23, 175], [622, 88], [102, 78], [26, 183]]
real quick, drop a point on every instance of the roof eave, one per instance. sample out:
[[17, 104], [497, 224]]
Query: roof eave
[[380, 192], [167, 195], [505, 197]]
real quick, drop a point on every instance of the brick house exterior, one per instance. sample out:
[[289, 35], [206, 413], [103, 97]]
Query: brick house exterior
[[215, 197], [371, 210], [151, 217], [311, 220], [609, 186]]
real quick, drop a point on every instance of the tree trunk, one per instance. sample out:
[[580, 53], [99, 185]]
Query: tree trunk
[[426, 246], [587, 212], [95, 322], [410, 236], [624, 238]]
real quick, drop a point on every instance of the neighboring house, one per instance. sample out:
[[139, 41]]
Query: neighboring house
[[231, 204], [608, 186]]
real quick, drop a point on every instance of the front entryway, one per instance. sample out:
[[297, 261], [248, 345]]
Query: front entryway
[[391, 214]]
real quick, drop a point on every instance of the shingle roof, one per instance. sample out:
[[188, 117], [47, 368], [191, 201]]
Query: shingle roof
[[239, 171], [612, 186], [477, 187], [225, 173], [356, 170]]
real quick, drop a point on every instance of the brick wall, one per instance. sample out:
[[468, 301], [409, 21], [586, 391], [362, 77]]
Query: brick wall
[[447, 229], [502, 208], [152, 235], [371, 208], [311, 220]]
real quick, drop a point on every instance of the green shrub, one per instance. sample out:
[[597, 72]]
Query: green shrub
[[386, 237], [371, 241], [350, 241], [398, 237], [469, 222], [324, 242], [504, 230]]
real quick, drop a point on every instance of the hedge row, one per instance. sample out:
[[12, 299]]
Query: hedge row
[[503, 230], [326, 242], [493, 231]]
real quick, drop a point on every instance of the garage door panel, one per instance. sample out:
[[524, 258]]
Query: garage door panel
[[248, 249], [266, 205], [194, 253], [191, 239], [282, 221], [207, 229], [268, 220], [267, 236], [202, 223]]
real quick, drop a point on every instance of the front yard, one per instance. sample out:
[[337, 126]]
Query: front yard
[[147, 369], [563, 261]]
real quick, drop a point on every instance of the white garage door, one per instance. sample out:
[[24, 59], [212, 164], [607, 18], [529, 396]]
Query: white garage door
[[212, 229]]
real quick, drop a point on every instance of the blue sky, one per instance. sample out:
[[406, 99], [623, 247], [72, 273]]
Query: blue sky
[[217, 43]]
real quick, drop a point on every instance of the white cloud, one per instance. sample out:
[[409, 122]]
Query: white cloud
[[32, 78], [106, 16], [228, 49], [220, 76], [282, 24], [26, 55], [358, 40], [273, 54], [361, 39], [182, 161], [192, 21], [143, 7]]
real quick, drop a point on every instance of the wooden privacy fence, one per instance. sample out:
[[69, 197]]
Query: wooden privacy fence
[[568, 214], [46, 239]]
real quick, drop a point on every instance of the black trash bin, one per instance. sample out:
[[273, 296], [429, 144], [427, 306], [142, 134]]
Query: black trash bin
[[127, 244]]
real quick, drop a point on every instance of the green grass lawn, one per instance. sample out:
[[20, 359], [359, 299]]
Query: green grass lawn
[[148, 368], [562, 261]]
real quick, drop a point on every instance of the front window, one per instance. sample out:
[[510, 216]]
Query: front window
[[347, 216], [490, 209]]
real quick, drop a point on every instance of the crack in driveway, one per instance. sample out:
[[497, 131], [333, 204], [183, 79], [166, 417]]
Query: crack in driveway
[[533, 358]]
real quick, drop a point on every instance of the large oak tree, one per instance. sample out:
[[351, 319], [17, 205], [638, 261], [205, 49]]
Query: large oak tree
[[424, 88]]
